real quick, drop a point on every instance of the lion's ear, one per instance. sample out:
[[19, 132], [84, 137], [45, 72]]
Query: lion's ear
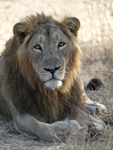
[[73, 24], [20, 31]]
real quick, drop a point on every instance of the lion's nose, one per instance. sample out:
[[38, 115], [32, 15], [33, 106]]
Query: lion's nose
[[52, 71]]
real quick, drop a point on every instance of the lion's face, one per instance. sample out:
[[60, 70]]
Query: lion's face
[[48, 49], [49, 52]]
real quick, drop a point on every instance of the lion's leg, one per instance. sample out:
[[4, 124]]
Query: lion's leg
[[57, 131], [27, 125], [91, 107]]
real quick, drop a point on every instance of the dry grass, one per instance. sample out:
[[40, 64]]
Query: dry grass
[[96, 39], [101, 23]]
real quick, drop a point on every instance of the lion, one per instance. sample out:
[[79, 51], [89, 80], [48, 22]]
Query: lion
[[40, 85]]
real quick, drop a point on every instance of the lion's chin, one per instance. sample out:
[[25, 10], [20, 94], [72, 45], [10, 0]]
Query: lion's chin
[[53, 84]]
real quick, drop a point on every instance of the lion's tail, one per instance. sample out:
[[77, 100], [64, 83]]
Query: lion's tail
[[94, 84]]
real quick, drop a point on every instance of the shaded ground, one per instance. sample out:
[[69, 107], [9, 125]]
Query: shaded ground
[[96, 42]]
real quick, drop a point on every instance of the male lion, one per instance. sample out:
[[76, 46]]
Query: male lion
[[39, 80]]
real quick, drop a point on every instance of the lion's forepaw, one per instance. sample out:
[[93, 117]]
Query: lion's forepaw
[[95, 108], [96, 128], [65, 129]]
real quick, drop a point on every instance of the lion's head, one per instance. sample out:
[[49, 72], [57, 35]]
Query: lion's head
[[49, 47]]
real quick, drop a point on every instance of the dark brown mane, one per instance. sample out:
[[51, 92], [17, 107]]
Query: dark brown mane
[[26, 91]]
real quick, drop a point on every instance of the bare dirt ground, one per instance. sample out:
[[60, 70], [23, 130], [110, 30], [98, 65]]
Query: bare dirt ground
[[95, 37]]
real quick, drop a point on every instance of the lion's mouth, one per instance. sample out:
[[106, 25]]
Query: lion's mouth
[[51, 79]]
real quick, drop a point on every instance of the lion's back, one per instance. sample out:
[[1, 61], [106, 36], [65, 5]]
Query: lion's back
[[3, 105]]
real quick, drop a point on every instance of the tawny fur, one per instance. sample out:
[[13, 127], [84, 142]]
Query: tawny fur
[[27, 92], [38, 110]]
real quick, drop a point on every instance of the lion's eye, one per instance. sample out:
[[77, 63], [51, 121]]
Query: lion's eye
[[61, 44], [37, 47]]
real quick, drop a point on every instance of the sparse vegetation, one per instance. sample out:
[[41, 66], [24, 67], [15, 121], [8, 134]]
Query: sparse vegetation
[[96, 40]]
